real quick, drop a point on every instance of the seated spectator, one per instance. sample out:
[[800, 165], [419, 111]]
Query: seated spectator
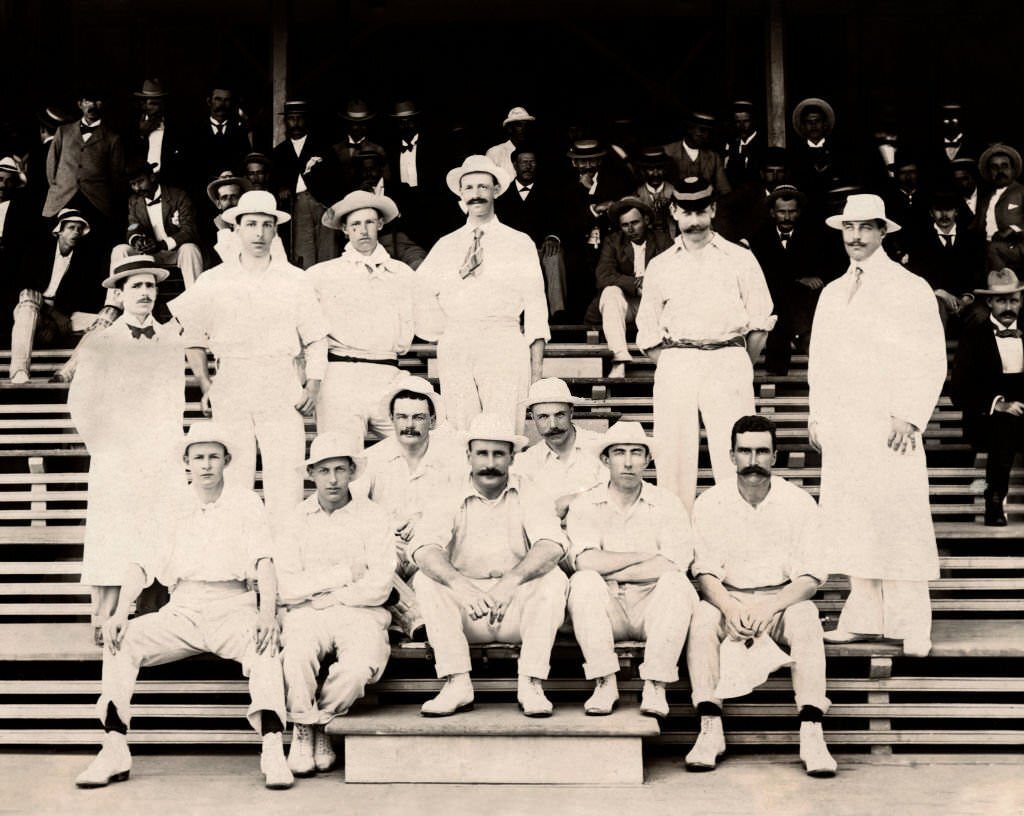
[[162, 223], [988, 386], [631, 545], [18, 219], [965, 180], [693, 155], [218, 543], [654, 191], [747, 209], [758, 562], [1000, 213], [789, 251], [814, 158], [620, 275], [947, 255], [356, 120], [904, 200], [258, 171], [59, 293], [487, 558], [744, 152], [519, 127], [335, 568]]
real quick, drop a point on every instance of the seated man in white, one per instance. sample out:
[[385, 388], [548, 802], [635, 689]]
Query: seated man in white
[[631, 545], [758, 561], [217, 543], [487, 557], [336, 565]]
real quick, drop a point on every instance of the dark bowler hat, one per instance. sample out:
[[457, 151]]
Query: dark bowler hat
[[53, 117], [405, 108], [151, 89], [944, 199], [624, 205], [693, 194], [904, 158], [256, 156]]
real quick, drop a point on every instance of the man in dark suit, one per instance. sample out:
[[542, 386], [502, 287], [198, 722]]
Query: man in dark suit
[[536, 209], [1000, 213], [85, 169], [221, 142], [625, 254], [654, 190], [693, 156], [744, 152], [58, 291], [988, 386], [789, 250], [50, 118], [156, 141], [948, 256], [952, 141], [814, 157], [417, 173], [356, 117], [745, 211]]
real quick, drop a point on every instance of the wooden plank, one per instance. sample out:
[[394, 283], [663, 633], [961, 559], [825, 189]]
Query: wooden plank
[[94, 736], [76, 711], [45, 610], [40, 568], [1008, 737]]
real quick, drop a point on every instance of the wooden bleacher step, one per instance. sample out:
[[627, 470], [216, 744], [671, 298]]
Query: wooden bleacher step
[[494, 743]]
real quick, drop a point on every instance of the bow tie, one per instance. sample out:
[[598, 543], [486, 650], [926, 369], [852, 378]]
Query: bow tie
[[147, 332], [408, 146], [954, 142], [151, 202], [86, 128], [1008, 333]]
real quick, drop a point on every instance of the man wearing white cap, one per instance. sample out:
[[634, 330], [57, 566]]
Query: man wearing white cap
[[127, 402], [487, 556], [759, 560], [877, 365], [562, 464], [518, 125], [335, 566], [475, 283], [217, 542], [367, 298], [630, 547], [257, 314], [704, 315]]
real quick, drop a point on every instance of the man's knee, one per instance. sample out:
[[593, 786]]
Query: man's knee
[[587, 587], [553, 586], [707, 618], [613, 299], [675, 588], [801, 620]]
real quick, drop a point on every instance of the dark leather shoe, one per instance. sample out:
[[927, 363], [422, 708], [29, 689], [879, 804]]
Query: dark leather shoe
[[994, 515]]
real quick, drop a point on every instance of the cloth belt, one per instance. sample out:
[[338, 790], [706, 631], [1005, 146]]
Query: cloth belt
[[714, 345], [341, 358]]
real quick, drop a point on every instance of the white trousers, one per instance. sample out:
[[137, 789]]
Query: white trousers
[[797, 628], [194, 622], [357, 636], [658, 613], [893, 609], [616, 311], [484, 370], [187, 257], [352, 392], [532, 619], [720, 386]]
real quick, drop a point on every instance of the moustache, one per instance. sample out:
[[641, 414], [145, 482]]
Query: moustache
[[751, 469], [555, 432], [1007, 313], [856, 244], [476, 201], [489, 472], [409, 432], [692, 230]]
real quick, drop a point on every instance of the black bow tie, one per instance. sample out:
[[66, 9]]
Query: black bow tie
[[86, 128], [954, 142], [1008, 333], [151, 201], [147, 332], [408, 146]]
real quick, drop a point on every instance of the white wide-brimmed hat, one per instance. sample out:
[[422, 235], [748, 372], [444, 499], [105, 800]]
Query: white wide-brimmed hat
[[813, 102], [417, 385], [206, 430], [549, 389], [1001, 282], [334, 216], [477, 164], [493, 428], [335, 445], [256, 202], [745, 665], [9, 164], [624, 433], [518, 114], [862, 207]]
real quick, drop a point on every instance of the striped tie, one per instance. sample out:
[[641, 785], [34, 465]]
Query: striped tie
[[858, 273], [474, 257]]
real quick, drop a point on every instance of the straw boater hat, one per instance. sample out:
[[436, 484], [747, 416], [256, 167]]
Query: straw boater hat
[[518, 115], [1000, 149], [495, 429], [586, 149], [9, 164], [813, 102], [652, 156], [357, 111], [295, 106], [223, 180], [256, 201], [151, 89], [416, 385], [477, 164], [549, 389], [206, 430], [334, 216], [786, 191], [623, 433], [862, 207], [335, 445], [693, 193], [70, 214], [1001, 282], [136, 265]]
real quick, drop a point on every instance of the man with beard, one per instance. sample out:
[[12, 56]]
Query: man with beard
[[877, 365], [759, 560], [1001, 211], [988, 386], [705, 313], [477, 282], [562, 463]]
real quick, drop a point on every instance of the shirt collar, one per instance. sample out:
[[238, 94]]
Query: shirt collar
[[876, 261], [749, 139], [654, 190], [484, 228], [999, 325], [950, 234], [157, 193], [815, 144], [311, 506], [513, 485], [376, 259], [131, 321], [602, 494]]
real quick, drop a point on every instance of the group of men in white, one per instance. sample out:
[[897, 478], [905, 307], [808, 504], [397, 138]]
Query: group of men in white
[[498, 544]]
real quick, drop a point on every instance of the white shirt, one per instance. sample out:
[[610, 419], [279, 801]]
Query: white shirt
[[951, 235], [991, 227], [523, 189], [558, 475], [87, 136], [888, 153], [215, 127], [710, 295], [972, 201], [501, 155], [655, 523], [403, 492], [346, 556], [407, 162], [58, 271], [297, 145], [639, 258], [367, 300], [747, 547], [156, 218], [506, 285], [1011, 350], [4, 207], [692, 152], [156, 143]]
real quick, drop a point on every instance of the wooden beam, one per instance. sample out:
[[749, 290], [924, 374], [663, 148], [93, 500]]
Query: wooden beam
[[776, 75], [279, 18]]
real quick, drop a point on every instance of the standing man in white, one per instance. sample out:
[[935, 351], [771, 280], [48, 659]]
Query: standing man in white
[[877, 365]]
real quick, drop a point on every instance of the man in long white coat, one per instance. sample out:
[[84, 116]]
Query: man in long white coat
[[877, 364]]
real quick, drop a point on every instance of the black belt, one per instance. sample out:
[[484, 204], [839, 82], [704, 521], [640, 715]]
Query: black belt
[[332, 357], [714, 345]]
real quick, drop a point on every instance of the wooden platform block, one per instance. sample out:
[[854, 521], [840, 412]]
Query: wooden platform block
[[495, 743]]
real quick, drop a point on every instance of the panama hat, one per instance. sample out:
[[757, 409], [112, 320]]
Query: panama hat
[[256, 201], [417, 385], [518, 115], [223, 180], [206, 430], [1000, 149], [70, 214], [477, 164], [335, 445], [334, 216], [813, 102], [549, 389], [623, 432], [493, 428], [1001, 282], [862, 207]]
